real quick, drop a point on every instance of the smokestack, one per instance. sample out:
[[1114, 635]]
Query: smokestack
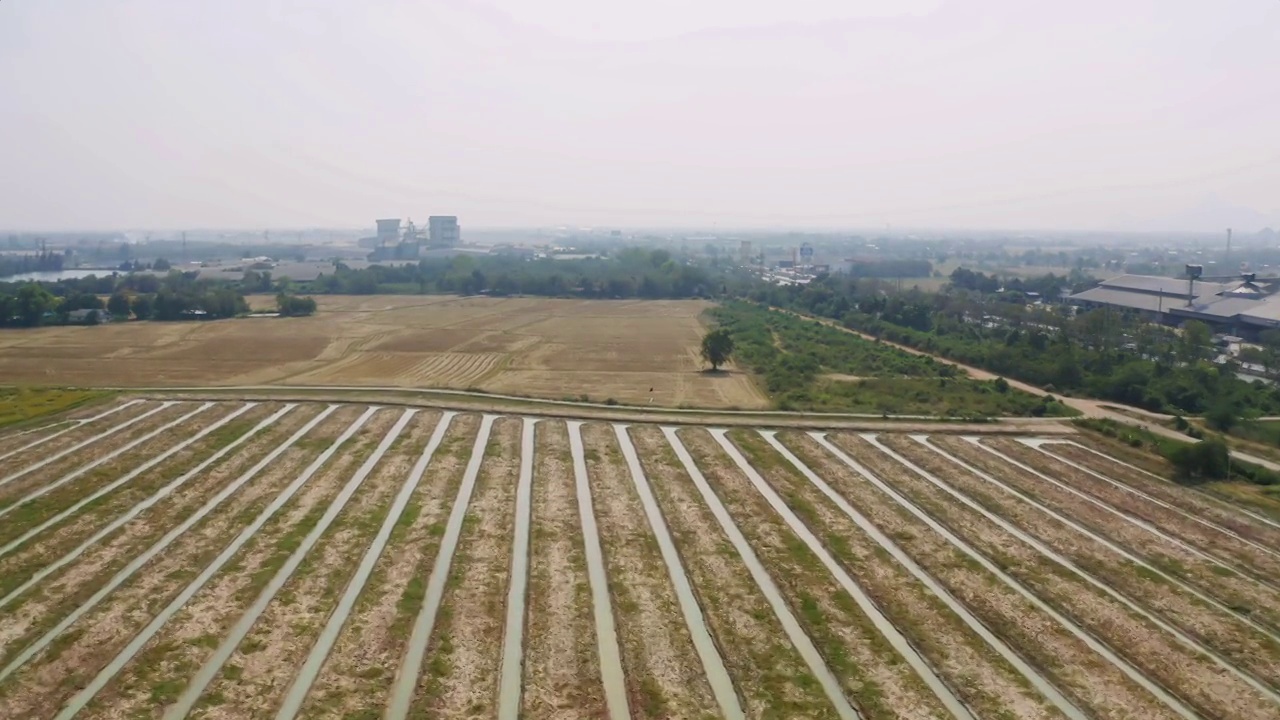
[[1227, 260]]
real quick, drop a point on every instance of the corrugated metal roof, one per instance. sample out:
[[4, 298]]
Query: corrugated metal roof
[[1126, 298], [1219, 307], [1267, 310], [1166, 285], [1156, 294]]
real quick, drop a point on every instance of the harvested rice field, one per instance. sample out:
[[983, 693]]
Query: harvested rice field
[[630, 351]]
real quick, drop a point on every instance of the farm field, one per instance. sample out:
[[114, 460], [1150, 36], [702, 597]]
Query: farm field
[[237, 559], [527, 346]]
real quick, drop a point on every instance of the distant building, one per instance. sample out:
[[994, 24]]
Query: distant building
[[396, 251], [443, 230], [388, 231], [1240, 307], [391, 244], [513, 250]]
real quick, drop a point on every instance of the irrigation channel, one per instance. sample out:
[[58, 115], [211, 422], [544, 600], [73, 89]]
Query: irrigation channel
[[266, 559]]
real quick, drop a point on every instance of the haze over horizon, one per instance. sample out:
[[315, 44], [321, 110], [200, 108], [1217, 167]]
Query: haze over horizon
[[1128, 115]]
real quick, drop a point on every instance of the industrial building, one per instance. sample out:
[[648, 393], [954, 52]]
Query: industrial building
[[1243, 305], [443, 231], [393, 243], [388, 231]]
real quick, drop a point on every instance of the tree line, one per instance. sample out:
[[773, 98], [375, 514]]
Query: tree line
[[811, 366], [173, 297], [1102, 353], [44, 261], [629, 273]]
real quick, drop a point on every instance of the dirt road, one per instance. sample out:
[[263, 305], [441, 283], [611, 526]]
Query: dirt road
[[1088, 407]]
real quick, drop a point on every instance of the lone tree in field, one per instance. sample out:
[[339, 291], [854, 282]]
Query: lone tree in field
[[717, 346]]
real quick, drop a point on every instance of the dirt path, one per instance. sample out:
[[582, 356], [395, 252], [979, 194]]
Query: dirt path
[[872, 673], [1215, 562], [561, 666], [1215, 626], [354, 680], [80, 540], [94, 497], [92, 452], [966, 664], [1159, 655], [189, 629], [1090, 408], [125, 491], [1183, 501], [18, 446], [663, 675], [766, 668], [461, 675], [1053, 643], [85, 647], [249, 677]]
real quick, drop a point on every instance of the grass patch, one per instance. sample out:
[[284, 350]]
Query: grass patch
[[20, 406]]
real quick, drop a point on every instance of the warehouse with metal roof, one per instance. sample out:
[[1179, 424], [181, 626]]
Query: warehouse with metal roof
[[1244, 306]]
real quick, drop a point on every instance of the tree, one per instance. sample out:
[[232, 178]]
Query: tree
[[1197, 341], [160, 264], [717, 347], [118, 305], [1201, 461], [143, 306], [293, 306], [31, 303], [1222, 415]]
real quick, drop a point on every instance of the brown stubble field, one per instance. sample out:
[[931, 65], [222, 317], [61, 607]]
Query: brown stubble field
[[526, 346], [337, 556]]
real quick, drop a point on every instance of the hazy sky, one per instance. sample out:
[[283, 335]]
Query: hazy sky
[[1094, 114]]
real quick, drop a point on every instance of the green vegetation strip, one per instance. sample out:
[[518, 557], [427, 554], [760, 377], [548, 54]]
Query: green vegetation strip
[[1038, 445], [1062, 560], [803, 644], [20, 405], [513, 640], [804, 365], [11, 546], [297, 693], [228, 646], [1094, 644], [85, 443], [1045, 688], [712, 662], [406, 682], [72, 426], [896, 639], [1108, 544], [82, 698], [45, 489]]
